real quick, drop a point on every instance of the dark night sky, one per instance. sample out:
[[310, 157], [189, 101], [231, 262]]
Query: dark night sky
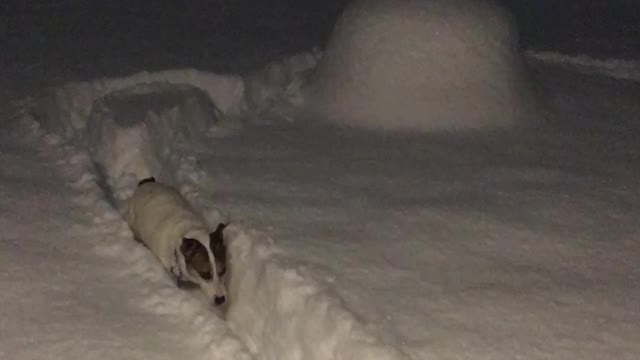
[[198, 33]]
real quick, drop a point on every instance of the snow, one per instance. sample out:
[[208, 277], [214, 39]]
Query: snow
[[274, 92], [63, 110], [617, 68], [130, 132], [343, 243], [423, 66], [135, 131], [284, 314], [74, 284], [453, 248]]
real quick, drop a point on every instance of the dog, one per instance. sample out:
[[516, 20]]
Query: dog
[[162, 219]]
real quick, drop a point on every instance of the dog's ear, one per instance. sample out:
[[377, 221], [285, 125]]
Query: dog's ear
[[188, 248], [216, 242]]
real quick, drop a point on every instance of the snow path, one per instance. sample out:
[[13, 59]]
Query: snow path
[[80, 288]]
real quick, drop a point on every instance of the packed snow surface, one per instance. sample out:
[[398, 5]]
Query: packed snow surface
[[423, 65], [344, 244]]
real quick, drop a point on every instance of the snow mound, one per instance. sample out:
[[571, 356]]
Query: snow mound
[[131, 131], [422, 65], [615, 68], [64, 110]]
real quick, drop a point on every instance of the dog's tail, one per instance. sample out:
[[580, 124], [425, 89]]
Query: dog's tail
[[146, 180]]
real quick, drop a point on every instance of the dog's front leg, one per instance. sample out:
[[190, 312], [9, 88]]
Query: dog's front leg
[[182, 283], [175, 272], [185, 284]]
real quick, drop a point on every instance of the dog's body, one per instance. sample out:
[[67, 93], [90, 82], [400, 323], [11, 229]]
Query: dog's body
[[165, 222]]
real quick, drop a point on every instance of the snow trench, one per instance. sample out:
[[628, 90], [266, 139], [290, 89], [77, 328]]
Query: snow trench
[[276, 310]]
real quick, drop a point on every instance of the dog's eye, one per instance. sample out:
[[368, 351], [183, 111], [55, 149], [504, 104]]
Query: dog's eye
[[222, 272], [206, 275]]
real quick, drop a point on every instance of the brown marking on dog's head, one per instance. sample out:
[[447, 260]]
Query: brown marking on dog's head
[[218, 248], [196, 258]]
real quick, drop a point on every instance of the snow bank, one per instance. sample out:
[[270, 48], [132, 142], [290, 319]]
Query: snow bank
[[615, 68], [282, 312], [131, 131], [422, 65], [65, 109]]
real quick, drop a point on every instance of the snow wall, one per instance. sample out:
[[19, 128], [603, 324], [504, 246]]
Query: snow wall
[[131, 133], [422, 65], [132, 127], [64, 110]]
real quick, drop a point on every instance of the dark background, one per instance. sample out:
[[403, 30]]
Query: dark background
[[238, 35]]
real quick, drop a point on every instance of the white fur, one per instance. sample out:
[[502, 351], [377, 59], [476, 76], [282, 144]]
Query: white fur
[[160, 217]]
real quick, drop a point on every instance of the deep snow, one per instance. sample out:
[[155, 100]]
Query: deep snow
[[344, 243], [74, 286], [278, 311]]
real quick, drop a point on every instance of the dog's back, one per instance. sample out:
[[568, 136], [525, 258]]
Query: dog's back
[[159, 216]]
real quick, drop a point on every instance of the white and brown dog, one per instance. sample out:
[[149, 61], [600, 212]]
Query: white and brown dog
[[162, 219]]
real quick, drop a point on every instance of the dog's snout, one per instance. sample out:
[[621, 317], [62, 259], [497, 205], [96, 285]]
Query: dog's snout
[[219, 300]]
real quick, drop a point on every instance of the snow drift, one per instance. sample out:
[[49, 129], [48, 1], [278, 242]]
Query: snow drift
[[284, 314], [422, 65], [64, 110], [131, 131], [526, 248], [134, 127]]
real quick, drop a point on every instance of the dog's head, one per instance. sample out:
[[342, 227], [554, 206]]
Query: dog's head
[[205, 262]]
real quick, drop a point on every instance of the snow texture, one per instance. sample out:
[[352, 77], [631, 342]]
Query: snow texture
[[423, 65], [64, 110], [284, 314], [343, 244], [140, 130], [617, 68], [131, 131], [76, 285]]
